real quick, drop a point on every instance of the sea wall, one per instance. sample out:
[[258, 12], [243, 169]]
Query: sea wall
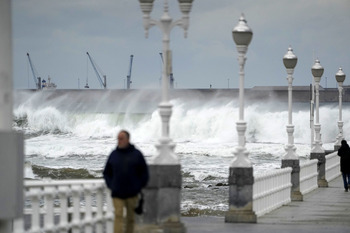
[[300, 94]]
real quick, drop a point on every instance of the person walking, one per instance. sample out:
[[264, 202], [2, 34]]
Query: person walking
[[125, 173], [344, 153]]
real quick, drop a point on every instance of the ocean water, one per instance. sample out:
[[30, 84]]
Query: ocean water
[[67, 138]]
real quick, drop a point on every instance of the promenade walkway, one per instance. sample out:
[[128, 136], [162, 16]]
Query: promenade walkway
[[323, 210]]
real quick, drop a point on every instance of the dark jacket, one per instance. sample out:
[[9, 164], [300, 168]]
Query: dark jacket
[[344, 153], [126, 172]]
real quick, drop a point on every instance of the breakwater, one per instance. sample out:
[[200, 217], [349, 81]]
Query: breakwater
[[147, 99]]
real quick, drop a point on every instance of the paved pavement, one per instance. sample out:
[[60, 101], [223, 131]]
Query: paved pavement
[[323, 210]]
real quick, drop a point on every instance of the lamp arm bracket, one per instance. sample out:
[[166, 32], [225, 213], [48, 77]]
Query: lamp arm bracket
[[183, 23], [178, 22], [148, 23]]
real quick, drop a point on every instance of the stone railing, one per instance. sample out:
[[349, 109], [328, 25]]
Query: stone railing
[[62, 205], [271, 190], [76, 205], [308, 176], [332, 166]]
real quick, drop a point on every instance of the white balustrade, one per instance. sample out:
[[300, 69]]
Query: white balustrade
[[60, 205], [18, 225], [109, 215], [271, 190], [63, 196], [332, 166], [308, 176], [88, 211]]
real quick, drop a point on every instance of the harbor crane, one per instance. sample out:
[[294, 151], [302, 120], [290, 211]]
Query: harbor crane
[[128, 77], [37, 79], [98, 72], [171, 76]]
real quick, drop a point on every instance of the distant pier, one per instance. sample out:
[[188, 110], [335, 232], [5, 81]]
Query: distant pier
[[300, 94]]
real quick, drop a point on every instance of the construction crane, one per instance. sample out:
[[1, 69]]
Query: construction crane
[[37, 79], [128, 77], [171, 77], [98, 72]]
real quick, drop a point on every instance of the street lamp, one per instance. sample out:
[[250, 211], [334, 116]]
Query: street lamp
[[317, 72], [165, 173], [290, 159], [166, 24], [290, 61], [340, 77], [241, 177], [317, 152], [242, 36]]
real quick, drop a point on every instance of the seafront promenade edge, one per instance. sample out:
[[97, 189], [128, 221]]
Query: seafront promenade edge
[[323, 210]]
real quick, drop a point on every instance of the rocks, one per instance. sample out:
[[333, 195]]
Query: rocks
[[213, 186], [221, 184], [218, 185], [190, 186]]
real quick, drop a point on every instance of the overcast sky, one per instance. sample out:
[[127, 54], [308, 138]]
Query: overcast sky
[[57, 34]]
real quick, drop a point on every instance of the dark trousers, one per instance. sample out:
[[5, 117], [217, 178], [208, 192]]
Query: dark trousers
[[346, 179]]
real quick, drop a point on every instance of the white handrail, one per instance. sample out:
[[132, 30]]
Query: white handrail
[[271, 190], [308, 176], [332, 166], [88, 202], [56, 183], [84, 201]]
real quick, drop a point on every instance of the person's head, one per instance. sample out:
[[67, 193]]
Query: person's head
[[343, 142], [123, 139]]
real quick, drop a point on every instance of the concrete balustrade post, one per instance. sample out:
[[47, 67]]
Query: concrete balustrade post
[[240, 183], [162, 199], [295, 195], [321, 168], [11, 143]]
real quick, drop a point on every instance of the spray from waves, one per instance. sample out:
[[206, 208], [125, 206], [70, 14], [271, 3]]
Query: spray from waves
[[208, 121], [45, 120], [71, 135], [50, 120]]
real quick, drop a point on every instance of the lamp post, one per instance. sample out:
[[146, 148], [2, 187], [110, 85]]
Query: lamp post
[[163, 207], [242, 36], [317, 152], [317, 72], [290, 159], [340, 77], [241, 171], [290, 61], [312, 113], [166, 24]]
